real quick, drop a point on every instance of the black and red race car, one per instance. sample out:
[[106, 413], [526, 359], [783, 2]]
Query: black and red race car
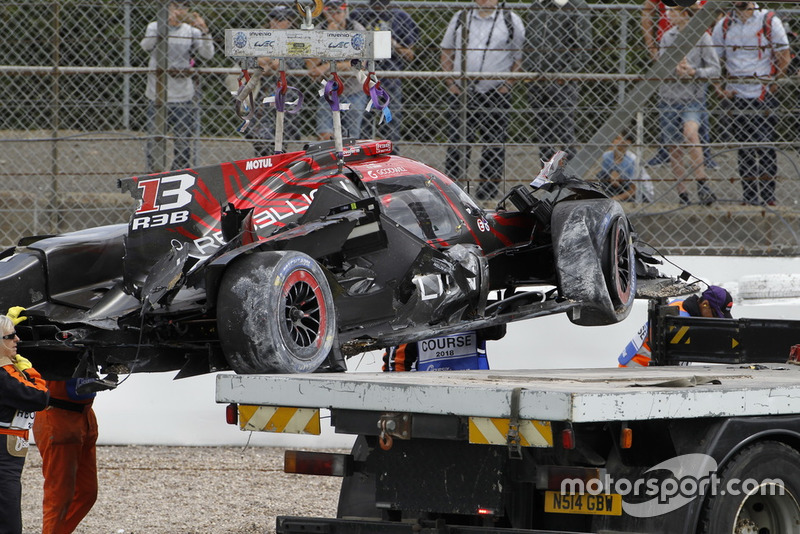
[[293, 262]]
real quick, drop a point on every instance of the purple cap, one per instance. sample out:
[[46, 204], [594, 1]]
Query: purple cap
[[720, 301]]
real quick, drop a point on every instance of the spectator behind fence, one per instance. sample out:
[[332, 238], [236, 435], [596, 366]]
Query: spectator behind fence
[[337, 17], [682, 105], [496, 37], [620, 176], [381, 16], [187, 37], [262, 130], [559, 40], [753, 44], [652, 31]]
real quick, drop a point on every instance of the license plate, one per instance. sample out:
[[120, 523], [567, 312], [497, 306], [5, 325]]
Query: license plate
[[583, 503]]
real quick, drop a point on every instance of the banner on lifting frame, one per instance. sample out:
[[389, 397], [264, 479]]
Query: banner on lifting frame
[[321, 44]]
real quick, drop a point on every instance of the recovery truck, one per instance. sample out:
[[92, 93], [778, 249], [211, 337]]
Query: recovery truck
[[666, 448]]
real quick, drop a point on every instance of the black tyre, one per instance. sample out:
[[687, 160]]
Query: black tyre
[[594, 260], [765, 500], [275, 314]]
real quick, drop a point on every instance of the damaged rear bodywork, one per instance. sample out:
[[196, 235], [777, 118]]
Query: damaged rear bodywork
[[291, 264]]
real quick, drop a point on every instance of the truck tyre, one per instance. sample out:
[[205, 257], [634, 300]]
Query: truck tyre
[[593, 249], [275, 313], [773, 466]]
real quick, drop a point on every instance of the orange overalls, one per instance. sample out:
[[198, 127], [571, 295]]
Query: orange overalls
[[66, 435], [644, 354], [21, 394]]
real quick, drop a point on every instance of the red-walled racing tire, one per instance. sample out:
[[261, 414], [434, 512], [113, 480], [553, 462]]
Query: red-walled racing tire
[[275, 313], [617, 263]]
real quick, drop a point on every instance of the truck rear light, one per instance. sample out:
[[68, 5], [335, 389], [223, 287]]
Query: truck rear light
[[626, 438], [568, 439], [317, 463], [232, 414]]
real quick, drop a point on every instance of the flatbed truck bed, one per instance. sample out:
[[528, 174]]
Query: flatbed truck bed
[[573, 395], [490, 451]]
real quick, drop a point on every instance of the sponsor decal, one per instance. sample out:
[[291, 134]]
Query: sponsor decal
[[340, 44], [206, 245], [264, 44], [254, 164], [386, 171], [298, 49], [240, 40], [483, 225], [271, 216], [383, 146], [358, 41]]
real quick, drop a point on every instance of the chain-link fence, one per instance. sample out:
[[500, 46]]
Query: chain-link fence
[[74, 115]]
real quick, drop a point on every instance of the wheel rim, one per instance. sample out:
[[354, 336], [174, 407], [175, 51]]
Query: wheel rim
[[620, 272], [765, 511], [304, 309]]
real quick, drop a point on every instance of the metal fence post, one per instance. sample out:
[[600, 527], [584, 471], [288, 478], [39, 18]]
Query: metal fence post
[[623, 54], [55, 105], [127, 39], [464, 100], [159, 146]]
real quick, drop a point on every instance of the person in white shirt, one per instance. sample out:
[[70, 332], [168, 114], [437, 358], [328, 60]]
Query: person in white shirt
[[187, 37], [682, 106], [754, 47], [496, 37]]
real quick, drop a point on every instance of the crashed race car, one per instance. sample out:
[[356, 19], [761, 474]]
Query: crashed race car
[[293, 262]]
